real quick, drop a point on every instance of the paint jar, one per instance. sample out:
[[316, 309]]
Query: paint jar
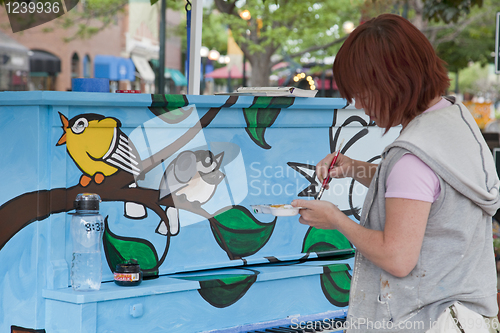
[[128, 274]]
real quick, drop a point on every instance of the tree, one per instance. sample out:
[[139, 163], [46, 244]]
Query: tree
[[463, 38], [293, 28], [470, 39], [461, 31], [423, 11], [314, 28], [448, 10]]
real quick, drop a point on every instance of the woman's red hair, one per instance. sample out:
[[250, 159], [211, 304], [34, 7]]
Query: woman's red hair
[[392, 66]]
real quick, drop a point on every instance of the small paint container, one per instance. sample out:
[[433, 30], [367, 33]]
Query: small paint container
[[128, 275]]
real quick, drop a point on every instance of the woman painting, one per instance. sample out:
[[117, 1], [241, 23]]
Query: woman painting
[[424, 251]]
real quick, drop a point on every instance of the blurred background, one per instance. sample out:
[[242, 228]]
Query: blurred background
[[281, 43]]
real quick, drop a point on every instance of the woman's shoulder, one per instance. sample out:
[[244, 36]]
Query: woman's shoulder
[[411, 178]]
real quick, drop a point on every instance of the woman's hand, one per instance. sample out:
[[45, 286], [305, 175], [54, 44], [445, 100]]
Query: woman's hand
[[346, 167], [343, 167], [317, 213]]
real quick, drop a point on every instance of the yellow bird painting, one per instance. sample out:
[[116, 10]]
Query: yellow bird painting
[[98, 147]]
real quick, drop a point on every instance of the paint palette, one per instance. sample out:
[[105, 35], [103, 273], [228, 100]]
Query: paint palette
[[276, 210]]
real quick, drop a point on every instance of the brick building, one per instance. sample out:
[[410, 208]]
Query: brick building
[[55, 58]]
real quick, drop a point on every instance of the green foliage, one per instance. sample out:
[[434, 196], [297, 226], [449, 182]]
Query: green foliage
[[496, 244], [97, 6], [448, 10], [93, 17], [476, 80], [287, 30], [472, 39], [215, 31], [293, 25], [296, 28]]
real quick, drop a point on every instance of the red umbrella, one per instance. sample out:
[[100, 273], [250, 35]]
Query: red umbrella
[[222, 73], [280, 65]]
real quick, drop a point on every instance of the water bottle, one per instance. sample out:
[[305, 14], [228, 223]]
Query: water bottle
[[86, 231]]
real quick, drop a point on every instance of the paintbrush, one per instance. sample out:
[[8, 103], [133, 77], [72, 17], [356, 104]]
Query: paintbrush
[[327, 179]]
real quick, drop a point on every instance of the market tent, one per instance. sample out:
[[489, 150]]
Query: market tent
[[44, 62], [13, 56], [176, 76], [143, 68], [114, 68], [280, 65], [171, 73], [14, 64], [224, 73]]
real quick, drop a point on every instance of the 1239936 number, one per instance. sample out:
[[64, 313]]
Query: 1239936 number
[[39, 7]]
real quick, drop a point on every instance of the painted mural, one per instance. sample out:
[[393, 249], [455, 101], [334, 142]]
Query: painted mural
[[177, 180]]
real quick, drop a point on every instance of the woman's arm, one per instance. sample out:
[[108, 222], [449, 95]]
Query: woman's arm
[[362, 172], [396, 249]]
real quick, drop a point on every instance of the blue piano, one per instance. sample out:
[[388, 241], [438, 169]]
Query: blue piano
[[181, 207]]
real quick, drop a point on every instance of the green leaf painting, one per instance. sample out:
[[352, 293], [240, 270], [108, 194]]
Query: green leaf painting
[[336, 283], [120, 249], [261, 115], [324, 242], [264, 102], [170, 108], [238, 232], [224, 289]]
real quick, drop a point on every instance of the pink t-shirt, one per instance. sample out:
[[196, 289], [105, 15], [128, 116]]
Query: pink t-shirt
[[410, 178]]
